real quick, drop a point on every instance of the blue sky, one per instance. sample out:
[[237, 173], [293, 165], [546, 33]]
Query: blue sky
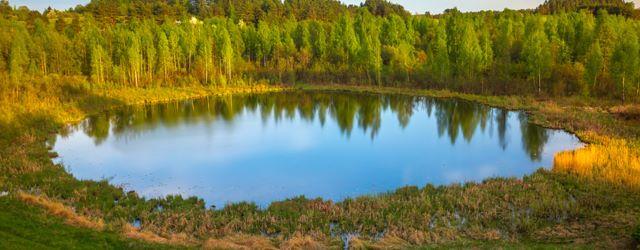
[[419, 6]]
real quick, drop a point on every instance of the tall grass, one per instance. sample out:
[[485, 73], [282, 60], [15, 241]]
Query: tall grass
[[612, 160], [60, 210]]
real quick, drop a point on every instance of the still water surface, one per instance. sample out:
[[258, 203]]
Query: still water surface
[[264, 148]]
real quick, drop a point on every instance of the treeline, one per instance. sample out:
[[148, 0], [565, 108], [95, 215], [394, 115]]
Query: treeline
[[247, 10], [620, 7], [515, 52]]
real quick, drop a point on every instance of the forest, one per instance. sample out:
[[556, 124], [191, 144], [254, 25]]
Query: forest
[[573, 52]]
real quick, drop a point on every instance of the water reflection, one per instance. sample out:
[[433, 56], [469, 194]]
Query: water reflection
[[454, 118], [347, 143]]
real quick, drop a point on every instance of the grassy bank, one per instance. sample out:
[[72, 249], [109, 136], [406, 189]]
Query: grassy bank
[[587, 200]]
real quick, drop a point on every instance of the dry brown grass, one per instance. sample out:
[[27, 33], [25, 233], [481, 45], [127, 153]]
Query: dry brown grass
[[62, 211], [628, 112], [174, 239], [613, 161], [299, 241], [592, 231], [387, 242], [240, 241], [478, 233], [134, 233]]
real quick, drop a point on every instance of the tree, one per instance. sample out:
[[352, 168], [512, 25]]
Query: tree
[[402, 60], [370, 49], [266, 42], [149, 52], [593, 66], [98, 64], [343, 44], [486, 55], [503, 47], [134, 58], [225, 51], [439, 65], [318, 41], [164, 54], [385, 8], [40, 46], [470, 58], [394, 30], [536, 54], [18, 55], [624, 62], [204, 56]]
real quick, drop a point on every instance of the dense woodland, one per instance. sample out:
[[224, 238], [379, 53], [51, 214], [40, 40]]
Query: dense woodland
[[576, 50]]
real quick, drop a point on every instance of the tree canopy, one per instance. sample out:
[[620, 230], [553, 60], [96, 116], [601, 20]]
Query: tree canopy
[[155, 42]]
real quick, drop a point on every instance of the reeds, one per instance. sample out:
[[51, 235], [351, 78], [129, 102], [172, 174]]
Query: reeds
[[240, 241], [62, 211], [613, 161], [180, 239]]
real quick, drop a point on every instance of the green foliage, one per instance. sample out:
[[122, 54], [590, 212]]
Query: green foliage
[[614, 6], [594, 66], [384, 8], [510, 52], [625, 61], [26, 227], [536, 53]]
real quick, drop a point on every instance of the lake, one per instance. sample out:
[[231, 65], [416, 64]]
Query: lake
[[332, 145]]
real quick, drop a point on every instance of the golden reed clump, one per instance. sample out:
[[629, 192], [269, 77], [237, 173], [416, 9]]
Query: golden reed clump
[[62, 211], [240, 242], [614, 161], [180, 239]]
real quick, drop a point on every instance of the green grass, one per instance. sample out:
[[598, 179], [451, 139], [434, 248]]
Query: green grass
[[27, 227], [544, 210]]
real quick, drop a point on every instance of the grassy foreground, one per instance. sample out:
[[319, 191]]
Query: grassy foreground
[[590, 198]]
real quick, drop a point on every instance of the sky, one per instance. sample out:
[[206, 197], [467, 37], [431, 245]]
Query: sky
[[415, 6]]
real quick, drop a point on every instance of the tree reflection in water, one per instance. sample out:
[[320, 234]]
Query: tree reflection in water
[[456, 119]]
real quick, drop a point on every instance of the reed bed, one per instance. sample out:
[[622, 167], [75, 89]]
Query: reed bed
[[613, 161]]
